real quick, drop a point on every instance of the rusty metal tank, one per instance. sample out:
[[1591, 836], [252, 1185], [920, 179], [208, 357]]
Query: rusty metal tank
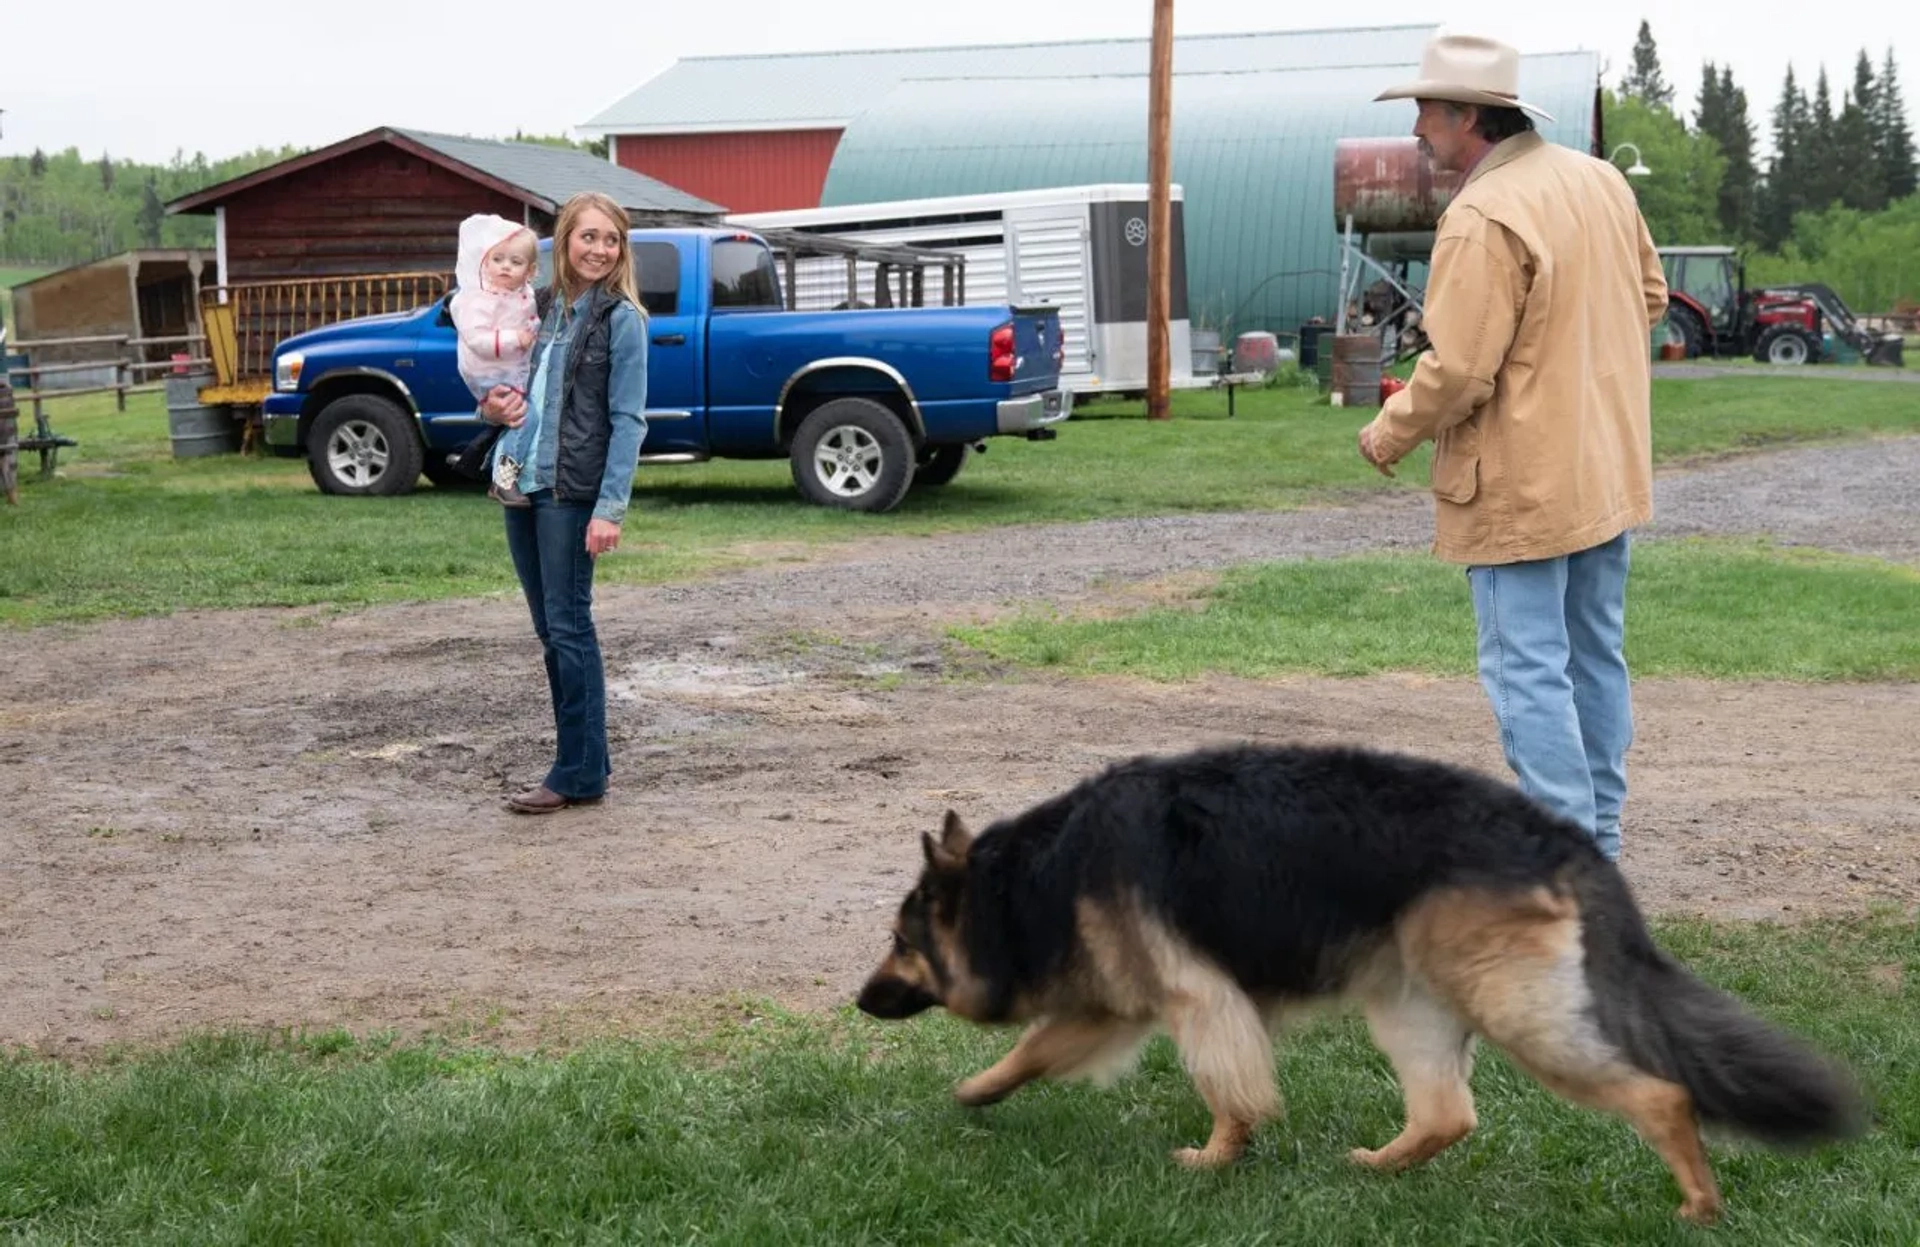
[[1389, 186]]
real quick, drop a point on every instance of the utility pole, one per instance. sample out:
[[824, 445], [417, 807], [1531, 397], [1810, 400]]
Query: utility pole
[[1159, 210]]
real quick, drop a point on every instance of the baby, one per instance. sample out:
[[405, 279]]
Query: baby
[[494, 316]]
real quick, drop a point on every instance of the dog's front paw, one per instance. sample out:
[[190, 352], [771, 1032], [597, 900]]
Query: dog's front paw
[[1700, 1210], [980, 1091], [1201, 1157], [1370, 1158]]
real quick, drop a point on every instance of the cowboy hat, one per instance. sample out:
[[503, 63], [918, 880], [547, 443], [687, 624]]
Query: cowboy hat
[[1466, 69]]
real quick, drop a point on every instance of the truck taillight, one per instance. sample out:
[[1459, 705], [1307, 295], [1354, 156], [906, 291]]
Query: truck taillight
[[1059, 347], [1000, 357]]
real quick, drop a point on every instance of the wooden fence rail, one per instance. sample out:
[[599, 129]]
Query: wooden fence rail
[[124, 363]]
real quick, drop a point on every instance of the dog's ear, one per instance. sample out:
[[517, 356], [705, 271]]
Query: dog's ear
[[949, 852]]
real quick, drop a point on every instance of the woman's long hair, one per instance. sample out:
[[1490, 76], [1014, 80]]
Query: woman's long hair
[[567, 284]]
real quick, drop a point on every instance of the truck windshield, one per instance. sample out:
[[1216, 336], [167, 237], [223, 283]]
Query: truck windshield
[[744, 275]]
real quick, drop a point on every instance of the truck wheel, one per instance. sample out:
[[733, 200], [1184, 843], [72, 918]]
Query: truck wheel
[[940, 464], [854, 454], [364, 444], [1787, 345]]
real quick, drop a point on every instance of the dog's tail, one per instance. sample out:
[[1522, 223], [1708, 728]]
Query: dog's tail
[[1741, 1072]]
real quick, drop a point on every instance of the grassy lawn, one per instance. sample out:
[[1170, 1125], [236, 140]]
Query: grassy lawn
[[1719, 609], [127, 529], [779, 1129]]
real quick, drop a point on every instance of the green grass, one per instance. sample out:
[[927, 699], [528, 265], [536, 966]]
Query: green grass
[[780, 1129], [1719, 609], [126, 529]]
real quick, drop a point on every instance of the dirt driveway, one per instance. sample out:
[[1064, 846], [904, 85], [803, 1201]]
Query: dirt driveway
[[292, 818]]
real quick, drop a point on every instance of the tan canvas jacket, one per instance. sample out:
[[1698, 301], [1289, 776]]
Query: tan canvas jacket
[[1544, 284]]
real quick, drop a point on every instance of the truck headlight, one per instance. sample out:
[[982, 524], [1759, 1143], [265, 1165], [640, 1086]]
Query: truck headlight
[[286, 371]]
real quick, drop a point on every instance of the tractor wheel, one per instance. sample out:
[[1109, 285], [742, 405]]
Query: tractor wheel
[[1686, 326], [1788, 346]]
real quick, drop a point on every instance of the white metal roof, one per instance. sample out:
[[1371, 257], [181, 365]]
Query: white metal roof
[[826, 90], [945, 204]]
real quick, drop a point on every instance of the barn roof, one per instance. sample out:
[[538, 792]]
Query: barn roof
[[827, 90], [544, 177]]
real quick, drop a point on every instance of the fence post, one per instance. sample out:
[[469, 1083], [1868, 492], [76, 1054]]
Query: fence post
[[120, 374]]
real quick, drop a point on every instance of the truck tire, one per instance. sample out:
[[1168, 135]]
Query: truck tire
[[940, 464], [364, 444], [1787, 345], [854, 454]]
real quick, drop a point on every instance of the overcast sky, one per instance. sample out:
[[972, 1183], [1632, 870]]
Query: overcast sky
[[225, 76]]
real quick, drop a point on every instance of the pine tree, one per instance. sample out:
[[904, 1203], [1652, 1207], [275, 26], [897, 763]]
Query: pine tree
[[1721, 114], [37, 166], [106, 173], [152, 215], [1822, 164], [1892, 136], [1857, 174], [1786, 191], [1644, 81]]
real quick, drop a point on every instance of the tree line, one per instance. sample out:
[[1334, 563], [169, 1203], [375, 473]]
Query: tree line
[[65, 208], [1833, 201]]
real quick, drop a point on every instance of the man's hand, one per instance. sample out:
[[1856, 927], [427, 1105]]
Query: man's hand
[[504, 405], [1370, 454]]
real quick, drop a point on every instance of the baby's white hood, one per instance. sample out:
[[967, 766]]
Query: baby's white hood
[[479, 234]]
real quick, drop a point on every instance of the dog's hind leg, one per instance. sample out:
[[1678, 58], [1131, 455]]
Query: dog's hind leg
[[1224, 1041], [1055, 1048], [1515, 967], [1432, 1053]]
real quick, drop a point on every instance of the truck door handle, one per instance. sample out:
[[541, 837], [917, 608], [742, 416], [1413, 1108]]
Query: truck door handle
[[669, 339]]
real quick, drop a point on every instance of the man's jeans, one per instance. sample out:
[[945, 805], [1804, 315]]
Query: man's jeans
[[548, 541], [1550, 642]]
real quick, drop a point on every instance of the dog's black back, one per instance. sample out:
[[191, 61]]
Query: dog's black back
[[1276, 862]]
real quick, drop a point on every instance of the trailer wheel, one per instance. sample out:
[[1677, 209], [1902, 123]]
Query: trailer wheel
[[1788, 346], [854, 454], [364, 444], [940, 464]]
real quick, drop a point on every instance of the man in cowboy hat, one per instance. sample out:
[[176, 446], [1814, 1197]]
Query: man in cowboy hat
[[1544, 284]]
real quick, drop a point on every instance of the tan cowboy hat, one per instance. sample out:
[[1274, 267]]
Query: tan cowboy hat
[[1466, 69]]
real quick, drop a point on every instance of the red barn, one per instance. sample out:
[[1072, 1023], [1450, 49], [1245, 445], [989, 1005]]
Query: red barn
[[391, 200]]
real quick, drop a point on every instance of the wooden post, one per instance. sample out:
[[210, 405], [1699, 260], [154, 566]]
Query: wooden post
[[1159, 211]]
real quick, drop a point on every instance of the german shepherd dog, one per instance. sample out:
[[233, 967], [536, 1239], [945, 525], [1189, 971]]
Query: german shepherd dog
[[1212, 893]]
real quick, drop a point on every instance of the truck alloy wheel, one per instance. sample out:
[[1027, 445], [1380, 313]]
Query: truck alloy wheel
[[363, 444], [853, 453]]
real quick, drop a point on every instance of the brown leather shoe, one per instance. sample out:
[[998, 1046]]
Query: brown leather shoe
[[541, 799]]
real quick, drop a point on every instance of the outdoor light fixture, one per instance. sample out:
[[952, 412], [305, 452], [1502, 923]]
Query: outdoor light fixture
[[1636, 169]]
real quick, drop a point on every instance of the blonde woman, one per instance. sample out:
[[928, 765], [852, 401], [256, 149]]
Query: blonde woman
[[585, 417]]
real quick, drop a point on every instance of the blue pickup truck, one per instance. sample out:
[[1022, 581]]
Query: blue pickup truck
[[863, 402]]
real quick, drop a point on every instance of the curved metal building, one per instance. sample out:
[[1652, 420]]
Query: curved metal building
[[1253, 147]]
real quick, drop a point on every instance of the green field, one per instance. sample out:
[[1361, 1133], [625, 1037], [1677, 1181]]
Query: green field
[[138, 532], [769, 1128]]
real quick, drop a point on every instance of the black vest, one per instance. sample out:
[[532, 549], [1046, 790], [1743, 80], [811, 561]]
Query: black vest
[[586, 424]]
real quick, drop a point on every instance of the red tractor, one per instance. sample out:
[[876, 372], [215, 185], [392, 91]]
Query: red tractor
[[1710, 308]]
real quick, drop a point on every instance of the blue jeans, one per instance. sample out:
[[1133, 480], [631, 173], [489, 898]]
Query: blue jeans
[[1550, 639], [548, 541]]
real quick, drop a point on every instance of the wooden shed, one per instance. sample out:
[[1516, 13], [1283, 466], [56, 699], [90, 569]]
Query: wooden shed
[[138, 295], [370, 224]]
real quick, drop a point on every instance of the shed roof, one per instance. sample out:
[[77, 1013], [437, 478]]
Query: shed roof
[[533, 173], [827, 90]]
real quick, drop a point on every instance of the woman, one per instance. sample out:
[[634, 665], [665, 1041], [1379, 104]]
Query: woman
[[585, 407]]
